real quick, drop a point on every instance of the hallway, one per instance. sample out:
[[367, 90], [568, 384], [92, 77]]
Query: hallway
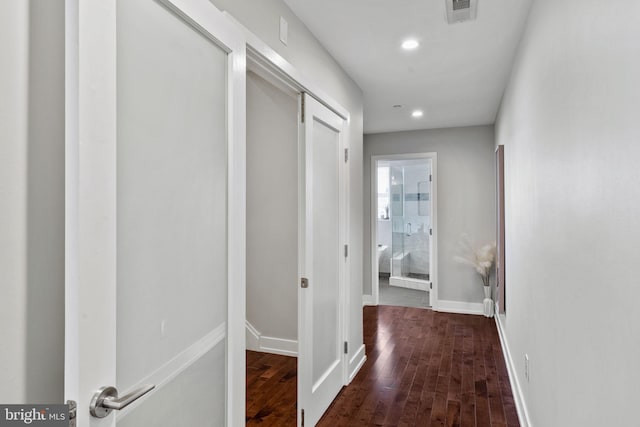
[[423, 369]]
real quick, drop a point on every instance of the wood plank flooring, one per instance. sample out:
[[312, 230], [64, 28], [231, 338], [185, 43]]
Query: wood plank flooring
[[423, 369], [271, 389]]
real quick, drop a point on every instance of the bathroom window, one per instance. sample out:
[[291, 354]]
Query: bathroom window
[[383, 192]]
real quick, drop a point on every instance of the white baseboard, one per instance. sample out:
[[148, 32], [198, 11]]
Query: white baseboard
[[356, 362], [518, 397], [459, 307], [258, 342], [279, 346], [253, 337], [368, 300]]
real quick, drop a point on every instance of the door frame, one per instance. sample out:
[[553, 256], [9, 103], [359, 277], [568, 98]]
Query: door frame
[[433, 255], [500, 234], [268, 64], [90, 187]]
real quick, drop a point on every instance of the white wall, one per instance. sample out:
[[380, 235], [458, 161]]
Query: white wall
[[32, 195], [272, 209], [384, 232], [308, 56], [14, 19], [569, 123], [465, 197], [384, 238]]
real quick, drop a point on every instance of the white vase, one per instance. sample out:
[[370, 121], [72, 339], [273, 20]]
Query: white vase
[[488, 302]]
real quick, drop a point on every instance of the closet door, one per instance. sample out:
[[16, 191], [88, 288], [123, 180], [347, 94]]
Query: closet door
[[155, 214], [321, 357]]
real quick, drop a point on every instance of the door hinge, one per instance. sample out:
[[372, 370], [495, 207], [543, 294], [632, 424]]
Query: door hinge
[[431, 232], [346, 251], [430, 178], [302, 423], [304, 283], [302, 107], [430, 285], [346, 347], [73, 412], [346, 155]]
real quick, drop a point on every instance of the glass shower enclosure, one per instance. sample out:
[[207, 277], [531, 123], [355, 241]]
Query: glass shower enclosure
[[411, 226]]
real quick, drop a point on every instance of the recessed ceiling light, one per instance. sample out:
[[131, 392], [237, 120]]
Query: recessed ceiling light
[[417, 113], [410, 44]]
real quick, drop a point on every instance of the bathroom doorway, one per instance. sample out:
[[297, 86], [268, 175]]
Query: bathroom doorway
[[404, 230]]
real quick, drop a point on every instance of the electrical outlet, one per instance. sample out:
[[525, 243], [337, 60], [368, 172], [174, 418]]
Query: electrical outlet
[[527, 367]]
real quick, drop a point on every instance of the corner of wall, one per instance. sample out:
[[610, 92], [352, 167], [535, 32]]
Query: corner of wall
[[258, 342], [368, 300]]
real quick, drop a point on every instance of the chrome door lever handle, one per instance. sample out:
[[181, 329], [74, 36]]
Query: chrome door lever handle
[[106, 400], [119, 403]]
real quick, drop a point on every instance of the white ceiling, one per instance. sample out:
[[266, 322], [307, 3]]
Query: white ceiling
[[457, 76]]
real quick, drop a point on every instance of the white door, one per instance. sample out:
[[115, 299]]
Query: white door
[[155, 214], [321, 358]]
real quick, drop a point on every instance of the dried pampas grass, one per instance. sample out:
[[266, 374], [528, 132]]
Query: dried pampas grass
[[479, 257]]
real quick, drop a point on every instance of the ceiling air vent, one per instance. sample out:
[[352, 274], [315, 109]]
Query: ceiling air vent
[[461, 10], [461, 4]]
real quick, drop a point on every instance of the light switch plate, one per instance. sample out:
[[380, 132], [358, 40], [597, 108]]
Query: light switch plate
[[284, 31]]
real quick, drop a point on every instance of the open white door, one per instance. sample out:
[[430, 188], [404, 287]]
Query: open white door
[[155, 214], [321, 358]]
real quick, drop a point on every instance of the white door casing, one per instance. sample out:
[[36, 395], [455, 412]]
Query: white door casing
[[323, 261], [433, 240], [134, 210], [270, 66]]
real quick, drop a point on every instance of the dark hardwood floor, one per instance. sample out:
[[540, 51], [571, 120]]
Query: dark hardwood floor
[[271, 389], [423, 369]]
